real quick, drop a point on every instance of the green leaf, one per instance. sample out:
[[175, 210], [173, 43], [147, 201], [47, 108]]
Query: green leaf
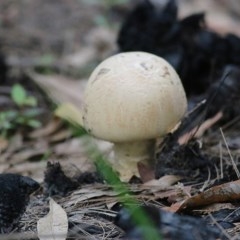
[[33, 123], [46, 59], [21, 120], [18, 94], [5, 125], [31, 113], [140, 217], [10, 115], [30, 101]]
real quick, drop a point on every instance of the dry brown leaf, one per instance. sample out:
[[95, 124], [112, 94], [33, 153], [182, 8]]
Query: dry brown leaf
[[61, 135], [74, 150], [174, 207], [86, 194], [172, 194], [3, 144], [71, 170], [54, 226], [75, 146], [100, 44], [60, 89], [218, 17], [227, 192], [47, 130], [197, 132], [181, 193], [146, 173], [70, 147], [25, 154], [163, 182], [80, 58], [233, 5], [214, 208], [111, 205], [15, 143], [4, 167], [33, 169]]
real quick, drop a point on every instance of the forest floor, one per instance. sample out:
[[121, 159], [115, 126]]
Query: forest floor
[[50, 49]]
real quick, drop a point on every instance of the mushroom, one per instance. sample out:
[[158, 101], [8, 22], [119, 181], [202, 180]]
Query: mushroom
[[130, 100]]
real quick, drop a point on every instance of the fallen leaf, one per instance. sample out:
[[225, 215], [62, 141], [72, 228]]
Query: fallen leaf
[[180, 193], [215, 207], [34, 170], [26, 154], [54, 226], [163, 182], [146, 173], [60, 89], [101, 43], [47, 130], [198, 131], [15, 143], [80, 58], [173, 208], [218, 16], [227, 192], [74, 146], [88, 194], [60, 135], [3, 144]]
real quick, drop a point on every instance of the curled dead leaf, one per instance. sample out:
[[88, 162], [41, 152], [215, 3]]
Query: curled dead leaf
[[227, 192]]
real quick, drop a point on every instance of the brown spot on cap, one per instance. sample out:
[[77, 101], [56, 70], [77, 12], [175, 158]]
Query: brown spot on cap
[[101, 72], [146, 66], [166, 72]]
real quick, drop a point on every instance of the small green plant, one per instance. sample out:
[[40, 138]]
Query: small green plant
[[140, 217], [126, 198], [20, 97], [23, 116]]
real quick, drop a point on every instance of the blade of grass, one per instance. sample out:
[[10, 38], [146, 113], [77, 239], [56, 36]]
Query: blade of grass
[[230, 155], [140, 217]]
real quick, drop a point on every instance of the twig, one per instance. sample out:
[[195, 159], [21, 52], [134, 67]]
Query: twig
[[221, 159], [219, 226], [230, 155]]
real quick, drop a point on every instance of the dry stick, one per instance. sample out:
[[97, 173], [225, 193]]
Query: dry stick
[[230, 155], [205, 184], [17, 236], [229, 215], [231, 123], [219, 226], [226, 126], [221, 159], [217, 172]]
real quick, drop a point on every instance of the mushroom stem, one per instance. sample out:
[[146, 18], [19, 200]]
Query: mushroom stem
[[128, 154]]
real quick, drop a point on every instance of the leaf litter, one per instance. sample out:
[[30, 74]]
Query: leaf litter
[[86, 207]]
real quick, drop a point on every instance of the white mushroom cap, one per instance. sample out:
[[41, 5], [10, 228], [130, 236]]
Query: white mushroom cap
[[133, 96]]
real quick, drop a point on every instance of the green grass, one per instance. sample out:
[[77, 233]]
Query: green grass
[[139, 216]]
